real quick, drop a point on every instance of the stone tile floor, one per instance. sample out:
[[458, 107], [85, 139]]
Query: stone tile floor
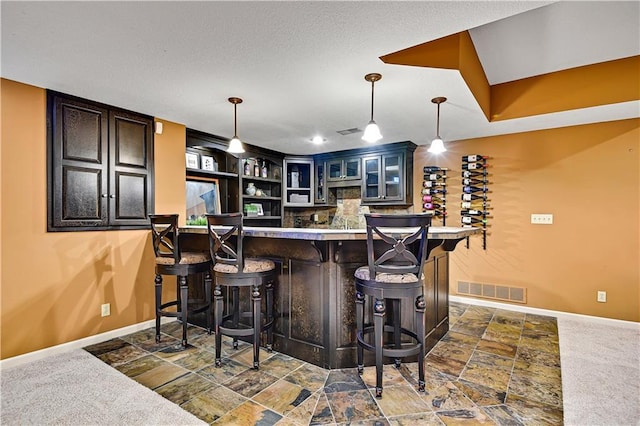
[[494, 367]]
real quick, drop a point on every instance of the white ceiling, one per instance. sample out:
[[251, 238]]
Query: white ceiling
[[300, 66]]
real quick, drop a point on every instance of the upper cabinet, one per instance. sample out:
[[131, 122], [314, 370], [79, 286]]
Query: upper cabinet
[[383, 172], [342, 170], [100, 161], [383, 178], [299, 187]]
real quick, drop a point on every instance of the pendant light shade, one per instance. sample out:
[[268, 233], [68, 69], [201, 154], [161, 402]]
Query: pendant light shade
[[437, 145], [235, 145], [372, 131]]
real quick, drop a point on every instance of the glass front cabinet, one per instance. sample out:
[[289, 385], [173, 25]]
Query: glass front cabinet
[[320, 195], [383, 178], [340, 170]]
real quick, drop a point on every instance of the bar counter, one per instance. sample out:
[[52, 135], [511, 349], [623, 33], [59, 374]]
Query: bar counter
[[315, 289]]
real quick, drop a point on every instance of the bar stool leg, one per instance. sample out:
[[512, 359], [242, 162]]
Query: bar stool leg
[[184, 298], [207, 295], [378, 324], [217, 294], [255, 295], [270, 315], [236, 312], [158, 287], [420, 308], [359, 329], [397, 324]]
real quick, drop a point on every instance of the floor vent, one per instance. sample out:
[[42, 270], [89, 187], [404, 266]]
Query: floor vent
[[493, 291]]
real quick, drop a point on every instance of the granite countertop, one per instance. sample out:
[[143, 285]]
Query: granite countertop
[[435, 232]]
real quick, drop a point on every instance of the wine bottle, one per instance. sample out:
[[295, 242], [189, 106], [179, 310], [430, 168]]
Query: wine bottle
[[474, 173], [265, 170], [474, 166], [431, 169], [471, 189], [434, 176], [432, 198], [471, 197], [472, 158], [430, 183], [432, 206], [256, 168], [472, 220], [475, 205], [471, 181], [247, 168], [439, 213], [431, 191], [472, 212]]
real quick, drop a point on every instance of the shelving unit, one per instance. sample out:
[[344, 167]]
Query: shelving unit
[[261, 206], [298, 181], [474, 207], [434, 192]]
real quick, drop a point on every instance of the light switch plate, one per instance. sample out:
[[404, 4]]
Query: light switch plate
[[542, 219]]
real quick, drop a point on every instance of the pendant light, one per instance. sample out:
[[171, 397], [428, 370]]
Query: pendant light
[[372, 131], [235, 145], [437, 145]]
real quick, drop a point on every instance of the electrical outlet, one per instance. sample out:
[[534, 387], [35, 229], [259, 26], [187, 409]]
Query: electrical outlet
[[106, 309], [602, 296], [542, 219]]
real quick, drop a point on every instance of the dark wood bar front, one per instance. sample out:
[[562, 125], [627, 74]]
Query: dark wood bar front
[[315, 291]]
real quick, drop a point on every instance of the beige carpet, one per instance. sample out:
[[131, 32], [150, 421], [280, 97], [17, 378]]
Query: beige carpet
[[75, 388]]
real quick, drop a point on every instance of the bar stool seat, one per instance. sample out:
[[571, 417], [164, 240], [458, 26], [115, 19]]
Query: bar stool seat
[[395, 260], [171, 260], [232, 270]]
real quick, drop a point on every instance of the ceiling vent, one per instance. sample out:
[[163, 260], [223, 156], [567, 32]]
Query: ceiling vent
[[351, 131]]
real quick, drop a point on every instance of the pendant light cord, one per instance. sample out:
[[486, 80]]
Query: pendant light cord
[[438, 123], [372, 83]]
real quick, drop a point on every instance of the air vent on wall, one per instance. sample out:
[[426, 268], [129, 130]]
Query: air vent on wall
[[349, 131], [493, 291]]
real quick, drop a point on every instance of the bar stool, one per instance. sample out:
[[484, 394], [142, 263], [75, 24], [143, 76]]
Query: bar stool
[[396, 252], [170, 260], [232, 270]]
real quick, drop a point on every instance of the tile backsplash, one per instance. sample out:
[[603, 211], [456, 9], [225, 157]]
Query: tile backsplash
[[347, 213]]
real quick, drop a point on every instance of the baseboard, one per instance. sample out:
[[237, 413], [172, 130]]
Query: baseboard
[[540, 311], [78, 344]]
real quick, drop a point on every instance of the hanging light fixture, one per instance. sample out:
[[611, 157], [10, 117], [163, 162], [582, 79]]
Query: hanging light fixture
[[372, 131], [437, 145], [235, 145]]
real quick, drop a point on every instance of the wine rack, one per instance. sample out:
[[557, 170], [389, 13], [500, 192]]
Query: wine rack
[[474, 206], [434, 192]]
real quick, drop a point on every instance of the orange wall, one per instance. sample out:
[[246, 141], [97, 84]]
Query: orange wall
[[588, 177], [52, 284]]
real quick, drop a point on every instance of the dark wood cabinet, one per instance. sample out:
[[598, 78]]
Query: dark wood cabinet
[[100, 161]]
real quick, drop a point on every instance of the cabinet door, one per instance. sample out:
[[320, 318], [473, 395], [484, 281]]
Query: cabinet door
[[393, 177], [131, 169], [79, 190], [351, 168], [371, 188], [334, 169], [320, 195]]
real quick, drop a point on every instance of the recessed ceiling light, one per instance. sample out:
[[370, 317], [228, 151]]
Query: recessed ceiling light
[[318, 140]]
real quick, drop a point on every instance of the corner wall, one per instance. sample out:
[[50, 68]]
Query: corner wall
[[52, 284], [588, 177]]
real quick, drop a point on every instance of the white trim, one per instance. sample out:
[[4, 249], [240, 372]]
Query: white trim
[[78, 344], [540, 311]]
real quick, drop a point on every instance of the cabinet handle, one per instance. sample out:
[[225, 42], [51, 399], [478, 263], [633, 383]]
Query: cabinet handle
[[104, 195], [112, 196]]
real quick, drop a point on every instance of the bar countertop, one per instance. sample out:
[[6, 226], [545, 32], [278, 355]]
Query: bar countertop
[[315, 234]]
